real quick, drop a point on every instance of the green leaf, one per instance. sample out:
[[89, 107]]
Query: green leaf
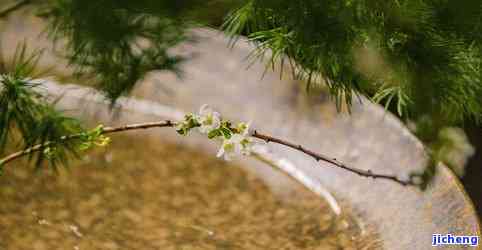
[[182, 131], [214, 133], [226, 132]]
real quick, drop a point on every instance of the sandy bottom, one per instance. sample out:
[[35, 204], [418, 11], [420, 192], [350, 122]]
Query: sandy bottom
[[145, 195]]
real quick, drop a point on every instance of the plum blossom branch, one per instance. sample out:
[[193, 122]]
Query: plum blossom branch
[[236, 140]]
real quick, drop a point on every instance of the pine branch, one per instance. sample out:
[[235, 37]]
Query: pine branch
[[13, 7], [267, 138], [335, 162]]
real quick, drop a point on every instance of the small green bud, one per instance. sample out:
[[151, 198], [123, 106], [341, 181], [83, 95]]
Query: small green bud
[[50, 152], [85, 146], [103, 141]]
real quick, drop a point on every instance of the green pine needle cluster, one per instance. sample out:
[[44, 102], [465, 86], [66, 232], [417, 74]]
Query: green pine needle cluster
[[117, 42], [412, 55], [28, 117]]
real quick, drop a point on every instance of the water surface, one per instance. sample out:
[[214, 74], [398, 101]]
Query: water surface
[[142, 194]]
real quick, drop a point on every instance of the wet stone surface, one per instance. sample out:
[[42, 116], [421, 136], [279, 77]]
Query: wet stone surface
[[160, 196]]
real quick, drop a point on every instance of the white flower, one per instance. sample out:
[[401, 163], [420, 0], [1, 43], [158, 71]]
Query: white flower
[[209, 119], [234, 146]]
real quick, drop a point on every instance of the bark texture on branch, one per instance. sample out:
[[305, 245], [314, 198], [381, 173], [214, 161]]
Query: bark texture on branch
[[333, 161]]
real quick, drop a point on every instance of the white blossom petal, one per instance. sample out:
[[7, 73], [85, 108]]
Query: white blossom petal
[[209, 119], [235, 146], [220, 152], [204, 109]]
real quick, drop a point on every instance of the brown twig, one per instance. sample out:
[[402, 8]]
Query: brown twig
[[107, 130], [12, 7], [333, 161], [267, 138]]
